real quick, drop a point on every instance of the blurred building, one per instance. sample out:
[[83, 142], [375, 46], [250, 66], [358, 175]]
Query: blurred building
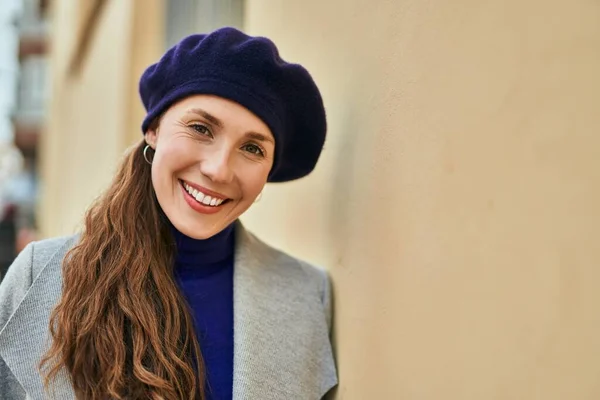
[[23, 71]]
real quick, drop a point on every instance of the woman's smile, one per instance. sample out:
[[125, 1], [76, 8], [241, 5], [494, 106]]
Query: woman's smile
[[201, 199]]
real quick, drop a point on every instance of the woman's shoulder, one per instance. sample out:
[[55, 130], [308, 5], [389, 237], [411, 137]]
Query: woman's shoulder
[[25, 268], [42, 251], [294, 270], [30, 261], [285, 261], [53, 244]]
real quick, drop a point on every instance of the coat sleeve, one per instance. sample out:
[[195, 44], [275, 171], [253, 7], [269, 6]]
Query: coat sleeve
[[13, 287], [15, 284]]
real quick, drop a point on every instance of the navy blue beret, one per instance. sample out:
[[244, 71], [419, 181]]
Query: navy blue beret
[[248, 70]]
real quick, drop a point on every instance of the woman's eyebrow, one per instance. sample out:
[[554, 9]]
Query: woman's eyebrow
[[211, 118], [260, 137]]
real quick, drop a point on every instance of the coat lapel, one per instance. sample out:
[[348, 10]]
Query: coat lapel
[[281, 338]]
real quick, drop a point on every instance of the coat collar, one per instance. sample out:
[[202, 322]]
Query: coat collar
[[275, 355]]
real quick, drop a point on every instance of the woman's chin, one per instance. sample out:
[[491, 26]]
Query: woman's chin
[[198, 231]]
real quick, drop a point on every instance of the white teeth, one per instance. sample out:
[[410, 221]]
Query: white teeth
[[202, 198]]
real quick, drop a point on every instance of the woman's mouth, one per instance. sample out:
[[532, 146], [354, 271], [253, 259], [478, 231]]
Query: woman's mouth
[[203, 199]]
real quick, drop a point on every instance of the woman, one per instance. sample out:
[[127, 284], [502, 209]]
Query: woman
[[164, 295]]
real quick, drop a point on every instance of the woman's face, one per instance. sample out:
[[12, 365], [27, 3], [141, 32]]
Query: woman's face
[[212, 158]]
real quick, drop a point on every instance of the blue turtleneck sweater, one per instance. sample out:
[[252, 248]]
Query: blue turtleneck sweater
[[204, 272]]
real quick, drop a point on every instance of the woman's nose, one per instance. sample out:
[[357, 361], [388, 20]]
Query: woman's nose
[[216, 166]]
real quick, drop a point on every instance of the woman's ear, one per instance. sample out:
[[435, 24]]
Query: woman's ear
[[150, 137]]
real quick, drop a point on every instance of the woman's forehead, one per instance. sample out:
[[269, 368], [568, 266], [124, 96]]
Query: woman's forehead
[[219, 111]]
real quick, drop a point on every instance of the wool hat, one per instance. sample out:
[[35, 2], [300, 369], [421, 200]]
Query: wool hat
[[248, 70]]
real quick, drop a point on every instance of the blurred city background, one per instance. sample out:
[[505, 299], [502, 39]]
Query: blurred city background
[[457, 201]]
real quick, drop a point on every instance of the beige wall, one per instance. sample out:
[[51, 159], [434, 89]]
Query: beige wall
[[95, 114], [457, 202]]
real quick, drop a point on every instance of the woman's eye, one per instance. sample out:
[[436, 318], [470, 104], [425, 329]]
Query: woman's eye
[[253, 149], [202, 129]]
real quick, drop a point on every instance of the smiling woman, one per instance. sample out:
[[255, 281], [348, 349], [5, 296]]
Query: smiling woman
[[165, 295]]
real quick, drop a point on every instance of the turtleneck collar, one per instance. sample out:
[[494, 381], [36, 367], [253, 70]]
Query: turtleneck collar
[[196, 253]]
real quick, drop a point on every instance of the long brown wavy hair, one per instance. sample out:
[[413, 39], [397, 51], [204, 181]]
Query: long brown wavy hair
[[122, 329]]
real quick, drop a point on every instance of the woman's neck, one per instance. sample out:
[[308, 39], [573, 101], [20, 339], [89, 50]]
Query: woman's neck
[[196, 253]]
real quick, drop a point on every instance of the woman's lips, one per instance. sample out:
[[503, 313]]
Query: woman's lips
[[206, 191], [198, 201]]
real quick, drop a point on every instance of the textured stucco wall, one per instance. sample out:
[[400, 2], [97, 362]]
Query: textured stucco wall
[[456, 203]]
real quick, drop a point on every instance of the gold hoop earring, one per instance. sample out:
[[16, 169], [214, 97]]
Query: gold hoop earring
[[146, 155], [258, 197]]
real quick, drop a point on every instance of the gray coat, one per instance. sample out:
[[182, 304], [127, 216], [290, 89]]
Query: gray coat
[[282, 322]]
